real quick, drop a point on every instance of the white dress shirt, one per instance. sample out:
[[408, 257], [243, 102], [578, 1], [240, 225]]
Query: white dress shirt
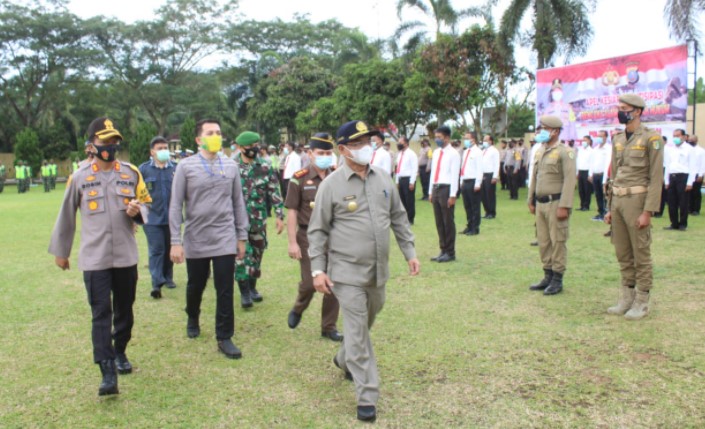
[[381, 158], [532, 155], [471, 165], [448, 171], [292, 164], [681, 159], [490, 161], [601, 158], [584, 159], [407, 165], [700, 156]]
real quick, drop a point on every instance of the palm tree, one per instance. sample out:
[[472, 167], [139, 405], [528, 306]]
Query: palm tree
[[559, 27], [682, 18]]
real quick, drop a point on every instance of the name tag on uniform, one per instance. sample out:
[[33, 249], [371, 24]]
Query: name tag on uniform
[[349, 198], [308, 188]]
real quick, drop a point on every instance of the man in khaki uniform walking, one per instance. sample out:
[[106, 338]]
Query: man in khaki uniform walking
[[637, 178], [551, 199], [355, 208]]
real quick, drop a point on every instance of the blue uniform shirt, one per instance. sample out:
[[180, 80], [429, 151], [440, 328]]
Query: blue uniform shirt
[[158, 181]]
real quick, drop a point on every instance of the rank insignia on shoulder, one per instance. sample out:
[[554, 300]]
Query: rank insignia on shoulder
[[571, 155], [124, 176], [309, 182], [301, 173]]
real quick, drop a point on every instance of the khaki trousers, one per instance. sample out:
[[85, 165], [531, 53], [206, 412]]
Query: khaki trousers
[[552, 235], [631, 244], [360, 305]]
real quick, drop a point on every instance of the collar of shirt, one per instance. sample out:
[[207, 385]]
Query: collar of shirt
[[166, 164], [349, 172]]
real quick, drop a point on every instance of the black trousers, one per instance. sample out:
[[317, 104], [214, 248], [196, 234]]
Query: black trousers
[[284, 187], [445, 218], [489, 195], [223, 280], [425, 180], [584, 189], [678, 200], [502, 176], [122, 283], [407, 198], [471, 202], [513, 179], [696, 197], [597, 182]]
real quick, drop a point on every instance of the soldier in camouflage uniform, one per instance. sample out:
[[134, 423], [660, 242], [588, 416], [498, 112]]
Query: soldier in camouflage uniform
[[259, 182]]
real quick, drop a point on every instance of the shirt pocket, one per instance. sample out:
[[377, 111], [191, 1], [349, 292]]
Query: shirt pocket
[[94, 201], [637, 158], [125, 195], [150, 183], [550, 165]]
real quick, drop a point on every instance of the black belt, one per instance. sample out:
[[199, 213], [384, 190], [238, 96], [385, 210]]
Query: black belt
[[303, 226], [467, 180], [678, 174], [440, 185], [548, 198]]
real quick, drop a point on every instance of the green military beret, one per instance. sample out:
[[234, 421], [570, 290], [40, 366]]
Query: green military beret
[[551, 121], [247, 138], [633, 100]]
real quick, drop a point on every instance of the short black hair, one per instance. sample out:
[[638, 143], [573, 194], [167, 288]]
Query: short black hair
[[589, 138], [444, 129], [202, 122], [491, 138], [157, 140]]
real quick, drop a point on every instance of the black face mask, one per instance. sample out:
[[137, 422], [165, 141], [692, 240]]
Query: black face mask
[[400, 146], [625, 117], [251, 151], [106, 153]]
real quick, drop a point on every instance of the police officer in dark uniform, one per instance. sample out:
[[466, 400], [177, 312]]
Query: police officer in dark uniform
[[300, 198], [111, 196]]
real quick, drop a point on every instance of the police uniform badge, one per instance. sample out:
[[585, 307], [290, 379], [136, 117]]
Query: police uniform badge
[[571, 155]]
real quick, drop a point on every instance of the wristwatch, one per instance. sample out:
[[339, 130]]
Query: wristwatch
[[315, 273]]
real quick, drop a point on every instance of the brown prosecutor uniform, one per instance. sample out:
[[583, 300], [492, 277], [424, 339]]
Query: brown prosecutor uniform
[[349, 240], [552, 186], [637, 172], [300, 196]]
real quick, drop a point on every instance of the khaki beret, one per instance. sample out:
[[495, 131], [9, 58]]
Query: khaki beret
[[633, 100], [551, 121]]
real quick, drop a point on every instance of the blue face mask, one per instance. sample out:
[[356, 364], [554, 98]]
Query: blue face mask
[[485, 145], [466, 143], [163, 155], [677, 141], [324, 162], [439, 142], [543, 136], [598, 140]]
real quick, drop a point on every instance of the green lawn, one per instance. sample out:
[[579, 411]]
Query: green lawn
[[465, 344]]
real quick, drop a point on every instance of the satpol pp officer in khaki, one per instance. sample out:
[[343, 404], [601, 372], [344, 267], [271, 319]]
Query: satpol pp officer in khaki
[[637, 178], [551, 200], [349, 241]]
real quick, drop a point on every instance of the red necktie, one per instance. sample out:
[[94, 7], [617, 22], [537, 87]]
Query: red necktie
[[438, 168], [462, 170], [372, 161], [401, 158]]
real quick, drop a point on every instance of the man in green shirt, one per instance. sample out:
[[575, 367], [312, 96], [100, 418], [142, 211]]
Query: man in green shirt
[[52, 178], [46, 175], [20, 175]]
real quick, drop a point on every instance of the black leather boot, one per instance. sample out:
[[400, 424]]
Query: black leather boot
[[123, 364], [256, 296], [556, 285], [245, 296], [543, 284], [109, 385], [193, 328]]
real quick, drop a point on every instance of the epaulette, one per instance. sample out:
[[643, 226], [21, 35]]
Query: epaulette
[[301, 173]]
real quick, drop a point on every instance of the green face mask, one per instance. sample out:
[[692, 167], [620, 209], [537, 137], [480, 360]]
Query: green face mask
[[212, 143]]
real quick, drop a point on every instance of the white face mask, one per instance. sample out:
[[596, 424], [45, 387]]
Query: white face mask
[[557, 95], [362, 156]]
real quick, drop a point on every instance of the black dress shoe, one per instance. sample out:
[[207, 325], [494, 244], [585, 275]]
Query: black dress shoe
[[490, 217], [446, 258], [435, 259], [109, 384], [123, 365], [472, 233], [465, 231], [332, 335], [670, 228], [171, 285], [682, 228], [156, 292], [229, 349], [348, 374], [293, 319], [192, 328], [366, 413]]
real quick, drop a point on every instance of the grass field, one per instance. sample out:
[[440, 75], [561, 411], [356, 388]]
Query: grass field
[[464, 344]]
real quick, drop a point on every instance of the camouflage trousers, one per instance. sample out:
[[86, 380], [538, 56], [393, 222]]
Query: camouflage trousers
[[249, 267]]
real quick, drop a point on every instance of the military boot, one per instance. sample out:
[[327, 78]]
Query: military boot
[[256, 296], [556, 285], [640, 306], [109, 385], [245, 296], [626, 298], [543, 284]]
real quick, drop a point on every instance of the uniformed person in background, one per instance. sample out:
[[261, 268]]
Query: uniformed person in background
[[259, 182], [551, 199], [445, 177], [349, 248], [636, 174], [20, 174], [111, 196], [300, 198], [3, 174], [54, 171], [512, 166], [681, 171], [45, 172]]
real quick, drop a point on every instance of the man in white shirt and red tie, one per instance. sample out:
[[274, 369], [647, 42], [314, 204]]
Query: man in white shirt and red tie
[[471, 183], [380, 158], [681, 169], [407, 167], [445, 175], [695, 196], [599, 165], [490, 174], [292, 164]]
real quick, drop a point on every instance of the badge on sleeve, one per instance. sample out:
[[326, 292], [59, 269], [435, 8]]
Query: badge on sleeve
[[571, 155]]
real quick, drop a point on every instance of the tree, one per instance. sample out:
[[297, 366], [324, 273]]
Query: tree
[[139, 143], [56, 142], [559, 27], [519, 118], [187, 134], [28, 150], [682, 18]]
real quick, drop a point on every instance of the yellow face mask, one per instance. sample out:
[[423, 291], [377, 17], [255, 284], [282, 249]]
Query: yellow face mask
[[212, 143]]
